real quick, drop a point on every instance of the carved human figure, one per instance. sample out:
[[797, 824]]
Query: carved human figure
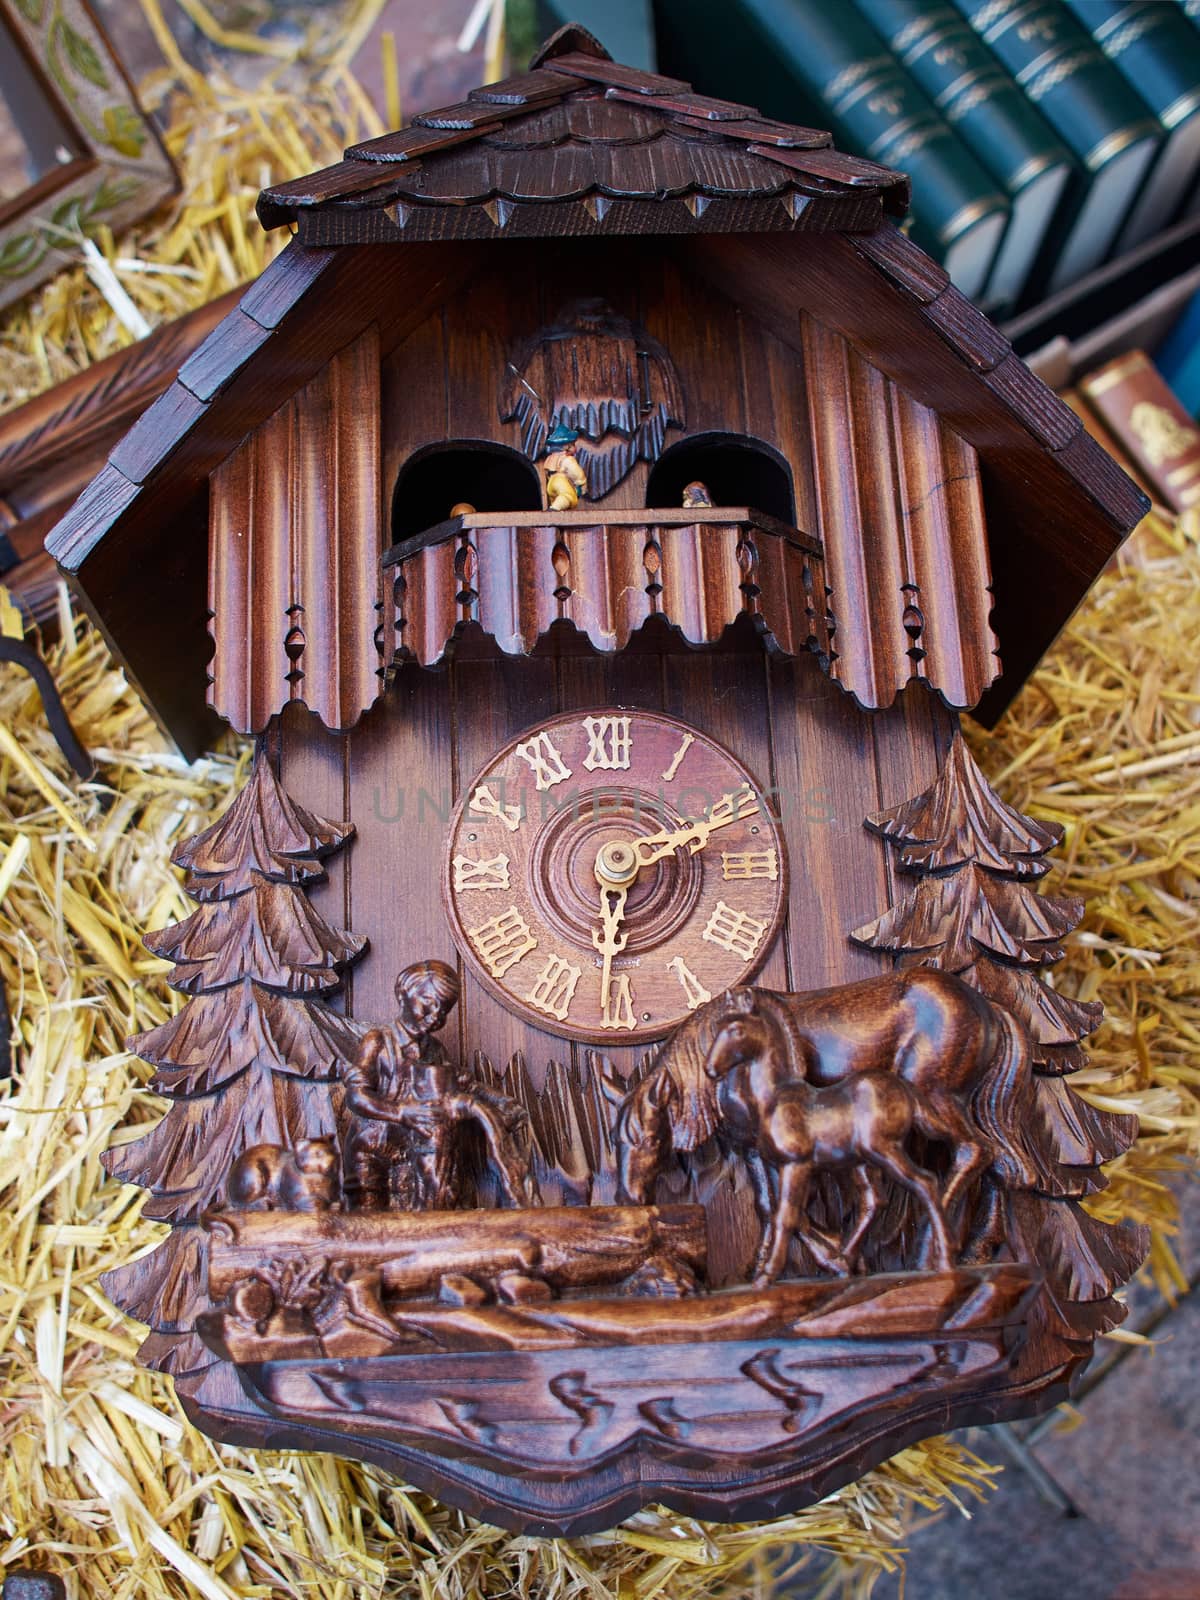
[[411, 1110], [696, 495], [566, 481]]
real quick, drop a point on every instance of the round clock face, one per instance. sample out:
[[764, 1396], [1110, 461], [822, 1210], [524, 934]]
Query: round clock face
[[608, 873]]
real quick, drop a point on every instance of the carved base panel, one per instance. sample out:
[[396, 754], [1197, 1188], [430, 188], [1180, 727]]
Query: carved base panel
[[734, 1404], [815, 1227]]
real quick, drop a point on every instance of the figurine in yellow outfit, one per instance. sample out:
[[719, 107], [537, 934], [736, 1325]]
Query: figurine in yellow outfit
[[566, 480]]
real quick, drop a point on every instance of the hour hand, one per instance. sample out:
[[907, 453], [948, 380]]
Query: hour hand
[[608, 938]]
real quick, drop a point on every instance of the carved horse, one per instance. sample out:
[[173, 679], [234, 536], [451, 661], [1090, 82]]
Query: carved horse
[[759, 1070]]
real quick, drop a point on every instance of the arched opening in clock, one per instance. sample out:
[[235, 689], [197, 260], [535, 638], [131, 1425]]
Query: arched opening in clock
[[734, 470], [473, 472]]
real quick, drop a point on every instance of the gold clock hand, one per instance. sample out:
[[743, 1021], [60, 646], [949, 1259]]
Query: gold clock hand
[[608, 938], [733, 807]]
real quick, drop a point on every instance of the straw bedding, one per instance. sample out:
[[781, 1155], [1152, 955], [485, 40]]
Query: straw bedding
[[101, 1478]]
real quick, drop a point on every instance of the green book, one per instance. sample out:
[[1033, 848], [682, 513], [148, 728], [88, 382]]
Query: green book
[[820, 62], [984, 106], [1091, 107], [1157, 50]]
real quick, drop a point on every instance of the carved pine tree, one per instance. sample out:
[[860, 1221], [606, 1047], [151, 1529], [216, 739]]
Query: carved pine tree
[[975, 912], [250, 1058]]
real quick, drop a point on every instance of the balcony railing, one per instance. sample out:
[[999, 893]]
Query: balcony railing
[[607, 572]]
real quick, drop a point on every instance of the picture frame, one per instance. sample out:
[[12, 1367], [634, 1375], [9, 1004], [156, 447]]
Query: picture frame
[[94, 157]]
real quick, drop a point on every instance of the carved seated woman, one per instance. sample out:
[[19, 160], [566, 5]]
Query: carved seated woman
[[411, 1111]]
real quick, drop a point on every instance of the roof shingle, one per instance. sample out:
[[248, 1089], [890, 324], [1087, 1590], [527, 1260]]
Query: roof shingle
[[587, 127]]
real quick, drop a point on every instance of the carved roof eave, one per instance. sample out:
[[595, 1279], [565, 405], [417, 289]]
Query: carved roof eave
[[584, 145]]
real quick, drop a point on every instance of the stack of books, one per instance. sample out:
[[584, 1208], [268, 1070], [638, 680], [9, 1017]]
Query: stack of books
[[1041, 136]]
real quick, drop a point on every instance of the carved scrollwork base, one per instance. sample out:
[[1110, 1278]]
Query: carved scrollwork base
[[565, 1421]]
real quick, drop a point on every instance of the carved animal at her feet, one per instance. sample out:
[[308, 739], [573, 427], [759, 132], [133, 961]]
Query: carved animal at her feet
[[267, 1177], [730, 1070]]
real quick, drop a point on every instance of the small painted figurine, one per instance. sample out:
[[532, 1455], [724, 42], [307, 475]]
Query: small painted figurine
[[411, 1111], [695, 495], [566, 480]]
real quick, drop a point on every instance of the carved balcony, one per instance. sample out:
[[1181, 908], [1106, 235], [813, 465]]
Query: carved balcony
[[608, 572]]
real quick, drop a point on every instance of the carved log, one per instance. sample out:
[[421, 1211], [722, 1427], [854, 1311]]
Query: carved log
[[568, 1247]]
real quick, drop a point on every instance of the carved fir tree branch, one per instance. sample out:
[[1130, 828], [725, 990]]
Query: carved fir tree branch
[[249, 1059], [975, 913]]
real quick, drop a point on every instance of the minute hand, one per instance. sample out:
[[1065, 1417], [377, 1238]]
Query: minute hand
[[693, 835]]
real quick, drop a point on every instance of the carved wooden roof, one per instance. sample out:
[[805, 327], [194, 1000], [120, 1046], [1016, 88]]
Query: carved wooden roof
[[585, 145], [1056, 505]]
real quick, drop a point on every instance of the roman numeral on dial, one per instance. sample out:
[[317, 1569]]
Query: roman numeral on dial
[[734, 931], [554, 988], [609, 742], [480, 873], [749, 864], [502, 940], [618, 1010], [484, 803], [694, 991], [544, 760]]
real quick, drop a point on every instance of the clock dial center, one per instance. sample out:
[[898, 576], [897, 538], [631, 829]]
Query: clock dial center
[[616, 864], [570, 851]]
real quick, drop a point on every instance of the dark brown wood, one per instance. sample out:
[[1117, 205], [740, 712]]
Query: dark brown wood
[[595, 70], [482, 1159], [464, 171], [609, 580], [84, 415], [1076, 532], [614, 517], [701, 107], [165, 648], [809, 1085], [559, 1248], [594, 374], [761, 130], [974, 912], [313, 1279], [523, 88], [54, 445], [294, 580]]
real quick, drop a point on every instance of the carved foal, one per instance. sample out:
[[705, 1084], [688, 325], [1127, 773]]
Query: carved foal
[[861, 1122]]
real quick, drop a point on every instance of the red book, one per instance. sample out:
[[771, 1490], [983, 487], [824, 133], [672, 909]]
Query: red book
[[1145, 417]]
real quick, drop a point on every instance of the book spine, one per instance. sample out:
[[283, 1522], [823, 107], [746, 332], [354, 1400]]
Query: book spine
[[824, 61], [1162, 440], [1154, 47], [969, 87], [881, 109], [1178, 357], [1054, 60]]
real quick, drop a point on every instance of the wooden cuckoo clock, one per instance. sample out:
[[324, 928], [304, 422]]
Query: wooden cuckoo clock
[[615, 1061]]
